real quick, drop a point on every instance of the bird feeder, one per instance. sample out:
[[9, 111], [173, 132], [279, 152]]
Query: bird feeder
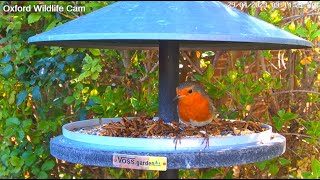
[[169, 27]]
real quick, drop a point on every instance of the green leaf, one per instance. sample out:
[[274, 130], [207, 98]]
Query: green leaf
[[209, 72], [273, 169], [96, 99], [308, 23], [21, 135], [6, 70], [281, 113], [278, 123], [135, 103], [88, 59], [35, 170], [292, 27], [42, 175], [289, 116], [33, 17], [36, 94], [6, 58], [70, 51], [229, 175], [12, 97], [284, 161], [51, 25], [232, 75], [95, 75], [71, 58], [68, 100], [43, 126], [306, 175], [314, 27], [95, 52], [314, 35], [261, 165], [315, 167], [3, 40], [84, 75], [15, 161], [256, 89], [47, 165], [12, 121], [22, 95], [264, 16], [302, 32], [29, 158], [21, 70]]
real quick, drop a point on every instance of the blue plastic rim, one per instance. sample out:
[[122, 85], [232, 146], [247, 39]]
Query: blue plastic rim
[[195, 24]]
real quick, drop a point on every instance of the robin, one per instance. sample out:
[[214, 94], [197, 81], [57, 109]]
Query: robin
[[195, 108]]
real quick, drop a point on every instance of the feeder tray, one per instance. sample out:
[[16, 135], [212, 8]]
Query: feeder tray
[[96, 150]]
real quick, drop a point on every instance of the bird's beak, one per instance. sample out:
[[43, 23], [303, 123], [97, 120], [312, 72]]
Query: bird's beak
[[175, 98]]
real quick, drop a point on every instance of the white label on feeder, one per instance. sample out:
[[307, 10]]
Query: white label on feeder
[[140, 162]]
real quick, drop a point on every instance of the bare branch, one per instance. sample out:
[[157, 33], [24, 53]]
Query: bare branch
[[151, 71], [295, 91], [297, 134], [184, 54]]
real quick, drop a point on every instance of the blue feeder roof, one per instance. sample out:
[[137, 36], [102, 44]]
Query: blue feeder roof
[[195, 24]]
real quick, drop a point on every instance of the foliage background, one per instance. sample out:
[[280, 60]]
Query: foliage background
[[42, 88]]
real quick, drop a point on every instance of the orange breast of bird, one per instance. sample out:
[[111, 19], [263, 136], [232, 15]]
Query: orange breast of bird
[[195, 107]]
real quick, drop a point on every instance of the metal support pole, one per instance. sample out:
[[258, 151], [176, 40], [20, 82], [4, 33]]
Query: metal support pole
[[169, 174], [168, 81]]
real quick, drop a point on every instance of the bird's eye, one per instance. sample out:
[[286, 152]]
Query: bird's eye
[[190, 91]]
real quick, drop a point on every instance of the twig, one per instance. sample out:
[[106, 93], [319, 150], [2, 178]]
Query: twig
[[76, 4], [192, 64], [116, 77], [31, 68], [295, 153], [294, 16], [296, 134], [131, 60], [151, 71], [215, 59], [65, 15], [292, 91], [41, 2], [301, 16]]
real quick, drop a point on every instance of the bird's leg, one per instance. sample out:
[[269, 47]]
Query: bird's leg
[[206, 137], [178, 137]]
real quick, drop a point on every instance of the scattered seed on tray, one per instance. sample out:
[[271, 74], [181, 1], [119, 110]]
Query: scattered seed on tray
[[147, 127]]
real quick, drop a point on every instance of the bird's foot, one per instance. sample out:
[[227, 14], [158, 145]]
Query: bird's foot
[[206, 138]]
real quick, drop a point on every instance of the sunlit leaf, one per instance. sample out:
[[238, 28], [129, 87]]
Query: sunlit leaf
[[315, 167], [95, 52], [273, 169], [34, 17], [292, 27], [284, 161]]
